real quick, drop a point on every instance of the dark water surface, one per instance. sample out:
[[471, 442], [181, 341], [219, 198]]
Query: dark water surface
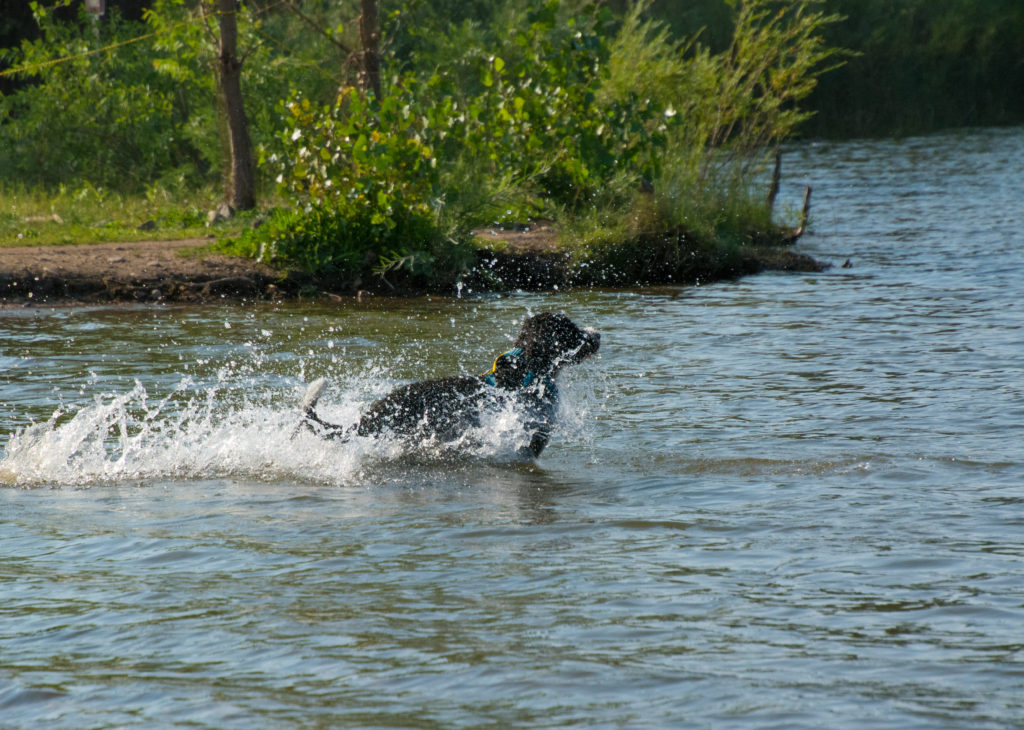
[[788, 501]]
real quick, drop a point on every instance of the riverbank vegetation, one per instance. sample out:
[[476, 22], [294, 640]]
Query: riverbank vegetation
[[643, 133], [89, 214], [602, 122]]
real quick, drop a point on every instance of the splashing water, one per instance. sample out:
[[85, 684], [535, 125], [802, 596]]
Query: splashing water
[[209, 432]]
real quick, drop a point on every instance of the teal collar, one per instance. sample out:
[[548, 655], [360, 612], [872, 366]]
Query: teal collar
[[528, 379]]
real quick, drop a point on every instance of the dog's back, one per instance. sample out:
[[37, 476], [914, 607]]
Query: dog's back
[[445, 408]]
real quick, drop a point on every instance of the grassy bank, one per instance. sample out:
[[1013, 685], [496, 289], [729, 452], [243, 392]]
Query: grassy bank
[[90, 214], [648, 152], [604, 251]]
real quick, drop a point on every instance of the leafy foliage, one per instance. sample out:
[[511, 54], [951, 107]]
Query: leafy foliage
[[111, 120], [364, 176], [577, 115], [126, 104], [723, 113], [569, 114]]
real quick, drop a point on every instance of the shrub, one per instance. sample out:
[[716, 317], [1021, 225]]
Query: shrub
[[125, 105], [570, 114], [109, 119]]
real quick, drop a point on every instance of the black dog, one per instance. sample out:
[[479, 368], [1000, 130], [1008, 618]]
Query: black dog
[[446, 407]]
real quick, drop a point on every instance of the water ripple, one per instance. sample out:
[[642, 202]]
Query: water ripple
[[789, 500]]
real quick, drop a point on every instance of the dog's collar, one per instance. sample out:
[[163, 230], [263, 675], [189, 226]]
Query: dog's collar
[[529, 378]]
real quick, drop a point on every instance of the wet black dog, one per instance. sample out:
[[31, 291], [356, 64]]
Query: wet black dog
[[447, 407]]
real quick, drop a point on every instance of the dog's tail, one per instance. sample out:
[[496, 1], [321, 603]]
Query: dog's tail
[[313, 393], [311, 420]]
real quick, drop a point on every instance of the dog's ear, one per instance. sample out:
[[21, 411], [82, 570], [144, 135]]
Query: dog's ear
[[531, 342]]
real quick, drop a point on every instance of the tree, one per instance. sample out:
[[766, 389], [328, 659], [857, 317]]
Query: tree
[[369, 72], [240, 191]]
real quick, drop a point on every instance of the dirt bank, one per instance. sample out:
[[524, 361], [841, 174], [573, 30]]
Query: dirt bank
[[178, 270], [186, 271]]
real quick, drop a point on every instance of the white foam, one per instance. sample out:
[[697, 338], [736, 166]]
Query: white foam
[[223, 430]]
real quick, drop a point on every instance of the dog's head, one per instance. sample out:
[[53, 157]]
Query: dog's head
[[546, 343]]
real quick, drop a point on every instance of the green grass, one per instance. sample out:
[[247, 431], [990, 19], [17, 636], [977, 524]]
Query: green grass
[[93, 215]]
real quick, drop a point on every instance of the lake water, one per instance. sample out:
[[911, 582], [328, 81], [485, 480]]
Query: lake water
[[793, 500]]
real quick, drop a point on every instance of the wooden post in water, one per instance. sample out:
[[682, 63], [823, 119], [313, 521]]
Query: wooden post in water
[[805, 212], [776, 176]]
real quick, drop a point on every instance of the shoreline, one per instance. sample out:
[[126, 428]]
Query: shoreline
[[186, 271]]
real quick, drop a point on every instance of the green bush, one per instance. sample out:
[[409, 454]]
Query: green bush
[[599, 120], [128, 105], [347, 244], [362, 178], [568, 115], [109, 119]]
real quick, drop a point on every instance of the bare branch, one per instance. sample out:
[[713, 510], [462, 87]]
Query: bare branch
[[316, 26]]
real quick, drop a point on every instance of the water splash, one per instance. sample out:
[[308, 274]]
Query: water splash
[[229, 430]]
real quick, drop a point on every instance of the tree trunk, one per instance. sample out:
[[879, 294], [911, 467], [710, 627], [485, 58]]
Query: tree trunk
[[240, 192], [776, 179], [369, 75]]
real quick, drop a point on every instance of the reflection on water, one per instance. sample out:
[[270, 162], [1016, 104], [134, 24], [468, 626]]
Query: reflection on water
[[791, 500]]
